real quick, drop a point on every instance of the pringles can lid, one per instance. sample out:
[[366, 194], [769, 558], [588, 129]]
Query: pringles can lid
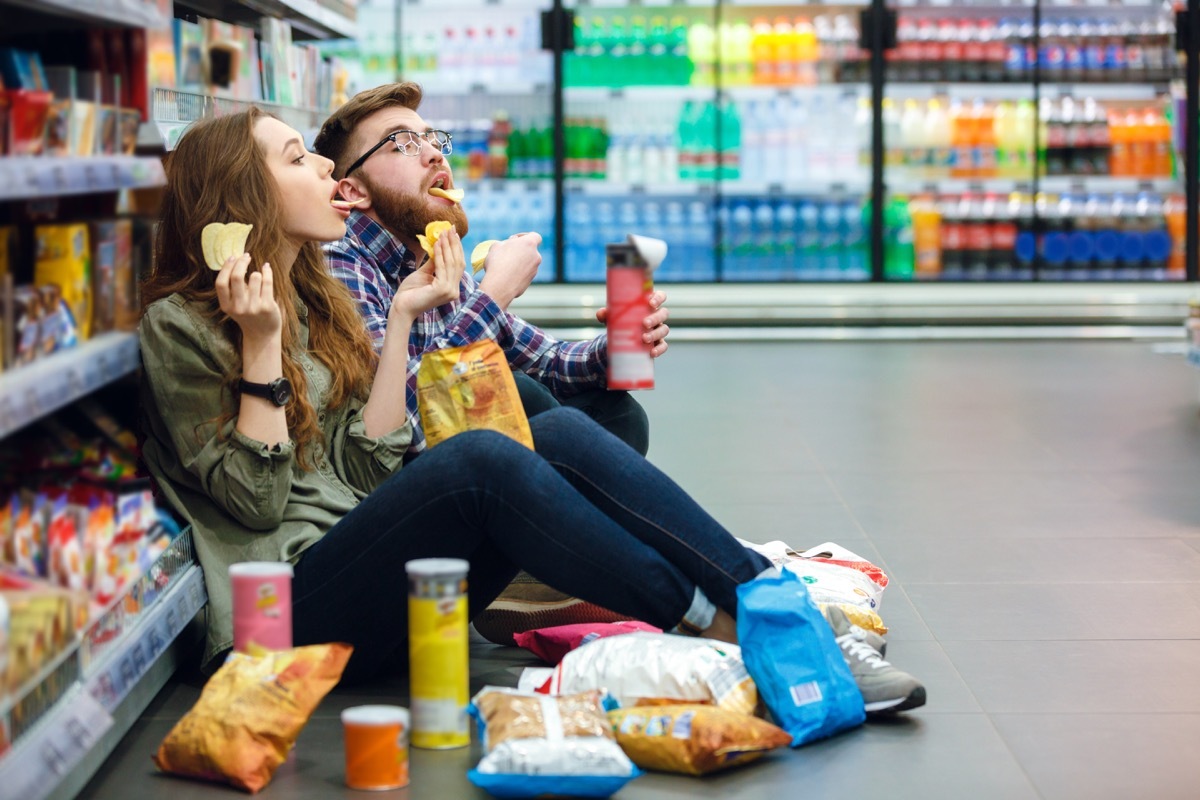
[[260, 569], [437, 568]]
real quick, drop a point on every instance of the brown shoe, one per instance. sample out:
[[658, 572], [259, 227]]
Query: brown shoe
[[527, 604]]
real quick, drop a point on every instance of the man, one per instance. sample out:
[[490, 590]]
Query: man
[[393, 166], [389, 162]]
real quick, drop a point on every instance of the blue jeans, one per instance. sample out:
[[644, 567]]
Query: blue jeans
[[584, 514], [617, 412]]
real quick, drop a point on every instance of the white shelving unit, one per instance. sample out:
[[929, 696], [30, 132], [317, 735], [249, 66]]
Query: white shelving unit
[[27, 177], [30, 392], [102, 686]]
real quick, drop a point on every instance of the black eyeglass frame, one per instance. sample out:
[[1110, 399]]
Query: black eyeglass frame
[[446, 147]]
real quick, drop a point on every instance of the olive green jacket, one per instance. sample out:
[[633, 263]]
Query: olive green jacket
[[244, 500]]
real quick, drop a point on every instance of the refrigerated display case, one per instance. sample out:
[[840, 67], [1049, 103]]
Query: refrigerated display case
[[1003, 140]]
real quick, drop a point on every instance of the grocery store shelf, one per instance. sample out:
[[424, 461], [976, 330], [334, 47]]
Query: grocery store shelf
[[27, 177], [30, 392], [1100, 184], [318, 19], [60, 752], [603, 188], [1024, 91], [135, 13], [680, 94], [1098, 307], [796, 188], [172, 110]]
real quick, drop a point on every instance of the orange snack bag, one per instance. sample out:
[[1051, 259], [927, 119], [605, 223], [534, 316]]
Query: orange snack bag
[[693, 739], [250, 713]]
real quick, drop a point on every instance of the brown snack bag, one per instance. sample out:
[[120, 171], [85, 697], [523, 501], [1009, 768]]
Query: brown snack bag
[[249, 715], [693, 739], [470, 388]]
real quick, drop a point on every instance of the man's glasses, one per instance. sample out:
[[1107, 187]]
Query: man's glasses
[[409, 143]]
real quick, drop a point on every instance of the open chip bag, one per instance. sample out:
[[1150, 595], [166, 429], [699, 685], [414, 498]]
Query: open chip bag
[[791, 652], [250, 713], [538, 745], [469, 388], [693, 739]]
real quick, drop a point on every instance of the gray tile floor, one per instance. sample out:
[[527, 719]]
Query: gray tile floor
[[1037, 506]]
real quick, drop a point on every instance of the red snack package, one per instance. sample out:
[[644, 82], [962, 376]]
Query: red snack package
[[551, 644]]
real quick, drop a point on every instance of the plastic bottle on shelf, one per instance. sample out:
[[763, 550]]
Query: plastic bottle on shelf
[[681, 66], [1114, 49], [754, 140], [1075, 139], [938, 136], [784, 265], [984, 116], [1135, 53], [762, 52], [899, 258], [638, 69], [928, 52], [701, 50], [1026, 245], [862, 134], [891, 134], [962, 140], [856, 259], [700, 240], [1132, 246], [851, 61], [1106, 230], [1139, 125], [1081, 238], [658, 57], [904, 63], [971, 37], [736, 42], [674, 233], [808, 239], [793, 139], [579, 242], [1072, 49], [686, 142], [822, 140], [1092, 50], [1162, 153], [707, 124], [1155, 236], [914, 156], [995, 51], [765, 257], [786, 69], [807, 51], [827, 49], [1052, 243], [1175, 215], [728, 161], [1120, 158], [1003, 264], [927, 238], [953, 237], [617, 71], [951, 36]]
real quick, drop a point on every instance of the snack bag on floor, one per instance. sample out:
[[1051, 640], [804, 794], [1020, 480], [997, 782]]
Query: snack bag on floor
[[537, 745], [551, 644], [693, 739], [249, 715], [796, 663]]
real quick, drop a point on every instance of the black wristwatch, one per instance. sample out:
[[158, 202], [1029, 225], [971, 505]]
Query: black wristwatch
[[278, 391]]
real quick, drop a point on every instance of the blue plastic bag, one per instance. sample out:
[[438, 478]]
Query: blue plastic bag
[[794, 659]]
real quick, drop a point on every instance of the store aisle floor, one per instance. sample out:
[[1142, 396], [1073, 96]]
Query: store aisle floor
[[1037, 506]]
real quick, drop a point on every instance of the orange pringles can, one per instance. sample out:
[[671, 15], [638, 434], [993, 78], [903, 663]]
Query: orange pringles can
[[376, 747]]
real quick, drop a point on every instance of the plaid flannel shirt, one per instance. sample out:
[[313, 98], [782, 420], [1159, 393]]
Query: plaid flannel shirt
[[372, 263]]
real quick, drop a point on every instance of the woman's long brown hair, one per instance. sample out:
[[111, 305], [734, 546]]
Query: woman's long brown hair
[[218, 173]]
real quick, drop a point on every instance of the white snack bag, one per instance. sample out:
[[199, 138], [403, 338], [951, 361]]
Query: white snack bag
[[658, 666]]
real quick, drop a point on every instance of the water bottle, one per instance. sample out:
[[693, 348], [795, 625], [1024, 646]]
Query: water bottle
[[785, 240], [855, 259], [581, 239], [699, 235], [608, 230], [674, 232], [728, 163], [808, 240], [652, 220], [540, 208], [830, 238], [765, 261], [753, 156], [740, 235]]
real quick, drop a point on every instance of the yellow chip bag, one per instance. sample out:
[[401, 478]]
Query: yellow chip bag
[[469, 388], [693, 739], [432, 231], [249, 715]]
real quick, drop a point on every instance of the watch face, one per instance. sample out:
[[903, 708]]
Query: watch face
[[282, 391]]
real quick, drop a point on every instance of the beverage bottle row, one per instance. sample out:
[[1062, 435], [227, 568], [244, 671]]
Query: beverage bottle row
[[935, 139], [493, 50], [685, 224], [497, 211], [978, 237], [818, 138], [1066, 49], [663, 50], [793, 239]]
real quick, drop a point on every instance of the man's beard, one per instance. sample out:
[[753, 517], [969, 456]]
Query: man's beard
[[407, 215]]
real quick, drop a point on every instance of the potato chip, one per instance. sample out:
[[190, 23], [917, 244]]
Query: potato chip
[[479, 253], [220, 241], [453, 195], [432, 231], [339, 203]]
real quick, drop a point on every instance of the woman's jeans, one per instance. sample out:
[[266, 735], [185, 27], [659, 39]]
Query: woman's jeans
[[585, 514]]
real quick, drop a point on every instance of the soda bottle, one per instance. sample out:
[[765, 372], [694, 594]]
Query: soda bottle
[[904, 63], [764, 262], [1107, 231], [498, 146], [962, 132], [830, 248], [985, 139], [1053, 244], [701, 50], [1114, 50], [899, 258], [686, 143], [1159, 133], [1175, 212], [971, 37], [913, 154], [1081, 240], [953, 237], [737, 58], [1055, 139], [1003, 263], [927, 243], [786, 71], [1093, 50], [1135, 55], [681, 67], [995, 51], [808, 240], [731, 142], [1132, 240], [807, 51], [785, 240], [977, 237], [706, 141], [762, 52], [1025, 247], [950, 37], [1140, 127], [1072, 49], [1120, 157], [1155, 238]]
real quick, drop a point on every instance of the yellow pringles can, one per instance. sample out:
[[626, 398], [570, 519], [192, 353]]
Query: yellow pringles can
[[437, 652]]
